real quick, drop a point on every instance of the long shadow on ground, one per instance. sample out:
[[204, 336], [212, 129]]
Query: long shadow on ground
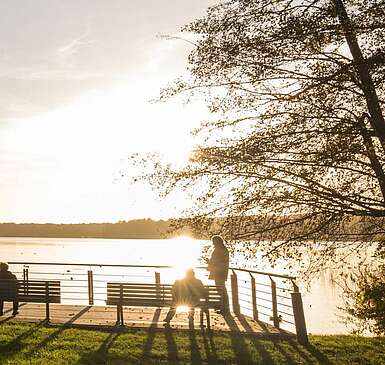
[[195, 347]]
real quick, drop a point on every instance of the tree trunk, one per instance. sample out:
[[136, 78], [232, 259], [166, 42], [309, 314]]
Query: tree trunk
[[376, 165], [376, 117]]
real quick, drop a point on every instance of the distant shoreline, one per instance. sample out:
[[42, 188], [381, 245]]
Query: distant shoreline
[[133, 229]]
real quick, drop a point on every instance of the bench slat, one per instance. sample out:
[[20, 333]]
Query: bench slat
[[133, 285], [128, 291], [33, 291], [154, 295]]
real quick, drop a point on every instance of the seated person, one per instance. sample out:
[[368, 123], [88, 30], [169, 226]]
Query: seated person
[[188, 292], [8, 288]]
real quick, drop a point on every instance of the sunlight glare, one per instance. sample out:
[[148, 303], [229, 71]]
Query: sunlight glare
[[182, 309], [186, 253]]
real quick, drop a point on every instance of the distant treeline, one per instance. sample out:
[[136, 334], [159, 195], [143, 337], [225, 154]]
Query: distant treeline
[[139, 228]]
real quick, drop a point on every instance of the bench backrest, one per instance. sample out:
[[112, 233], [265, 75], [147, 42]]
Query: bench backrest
[[154, 295], [35, 291]]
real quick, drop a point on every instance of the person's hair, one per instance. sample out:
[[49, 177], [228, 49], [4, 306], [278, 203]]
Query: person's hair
[[3, 266], [190, 272], [218, 240]]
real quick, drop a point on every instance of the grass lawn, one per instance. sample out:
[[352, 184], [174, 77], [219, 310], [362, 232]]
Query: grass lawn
[[36, 343]]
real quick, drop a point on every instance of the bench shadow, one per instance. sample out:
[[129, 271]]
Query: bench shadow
[[172, 351], [209, 345], [100, 356], [151, 334], [14, 346], [195, 354], [56, 333]]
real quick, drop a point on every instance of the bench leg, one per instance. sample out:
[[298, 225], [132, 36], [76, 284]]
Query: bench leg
[[121, 316], [47, 312], [117, 314]]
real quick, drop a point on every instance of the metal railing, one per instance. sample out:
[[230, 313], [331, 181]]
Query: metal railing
[[267, 297]]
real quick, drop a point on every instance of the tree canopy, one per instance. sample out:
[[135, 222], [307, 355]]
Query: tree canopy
[[297, 150]]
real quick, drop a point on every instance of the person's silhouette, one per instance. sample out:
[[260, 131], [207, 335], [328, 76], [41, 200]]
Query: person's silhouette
[[186, 292], [8, 288], [218, 266]]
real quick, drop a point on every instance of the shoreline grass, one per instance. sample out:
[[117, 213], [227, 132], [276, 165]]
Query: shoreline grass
[[38, 343]]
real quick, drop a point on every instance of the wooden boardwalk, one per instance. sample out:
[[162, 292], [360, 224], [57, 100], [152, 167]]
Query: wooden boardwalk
[[137, 317]]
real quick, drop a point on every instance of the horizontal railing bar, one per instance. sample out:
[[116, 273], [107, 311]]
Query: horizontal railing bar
[[283, 320], [123, 275], [283, 297], [30, 272], [244, 287], [263, 284], [263, 306], [288, 314], [264, 292], [143, 266], [264, 314], [264, 299], [285, 305], [265, 273], [89, 265]]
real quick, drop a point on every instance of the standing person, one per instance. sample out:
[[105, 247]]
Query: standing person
[[8, 288], [218, 266], [187, 291]]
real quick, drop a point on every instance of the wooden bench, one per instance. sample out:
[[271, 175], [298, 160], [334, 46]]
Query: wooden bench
[[156, 295], [31, 291]]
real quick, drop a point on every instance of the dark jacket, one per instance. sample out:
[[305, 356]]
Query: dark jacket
[[188, 291], [218, 265], [8, 285]]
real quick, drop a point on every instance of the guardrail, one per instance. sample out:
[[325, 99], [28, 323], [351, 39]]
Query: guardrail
[[266, 297]]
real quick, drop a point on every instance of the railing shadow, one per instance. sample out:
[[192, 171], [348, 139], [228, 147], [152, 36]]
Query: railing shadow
[[238, 342], [199, 346], [289, 353]]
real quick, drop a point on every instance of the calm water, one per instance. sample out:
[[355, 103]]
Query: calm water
[[320, 302]]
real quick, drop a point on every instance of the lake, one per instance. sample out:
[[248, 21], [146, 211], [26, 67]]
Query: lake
[[320, 301]]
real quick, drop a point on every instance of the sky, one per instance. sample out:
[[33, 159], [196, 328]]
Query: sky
[[76, 82]]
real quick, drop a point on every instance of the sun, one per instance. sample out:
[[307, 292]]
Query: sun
[[184, 253]]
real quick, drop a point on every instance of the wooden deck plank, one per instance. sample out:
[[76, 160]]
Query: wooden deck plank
[[136, 317]]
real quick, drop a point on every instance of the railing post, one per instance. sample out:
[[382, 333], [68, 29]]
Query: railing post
[[274, 302], [47, 301], [25, 280], [234, 293], [254, 297], [158, 288], [121, 304], [299, 316], [90, 288]]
